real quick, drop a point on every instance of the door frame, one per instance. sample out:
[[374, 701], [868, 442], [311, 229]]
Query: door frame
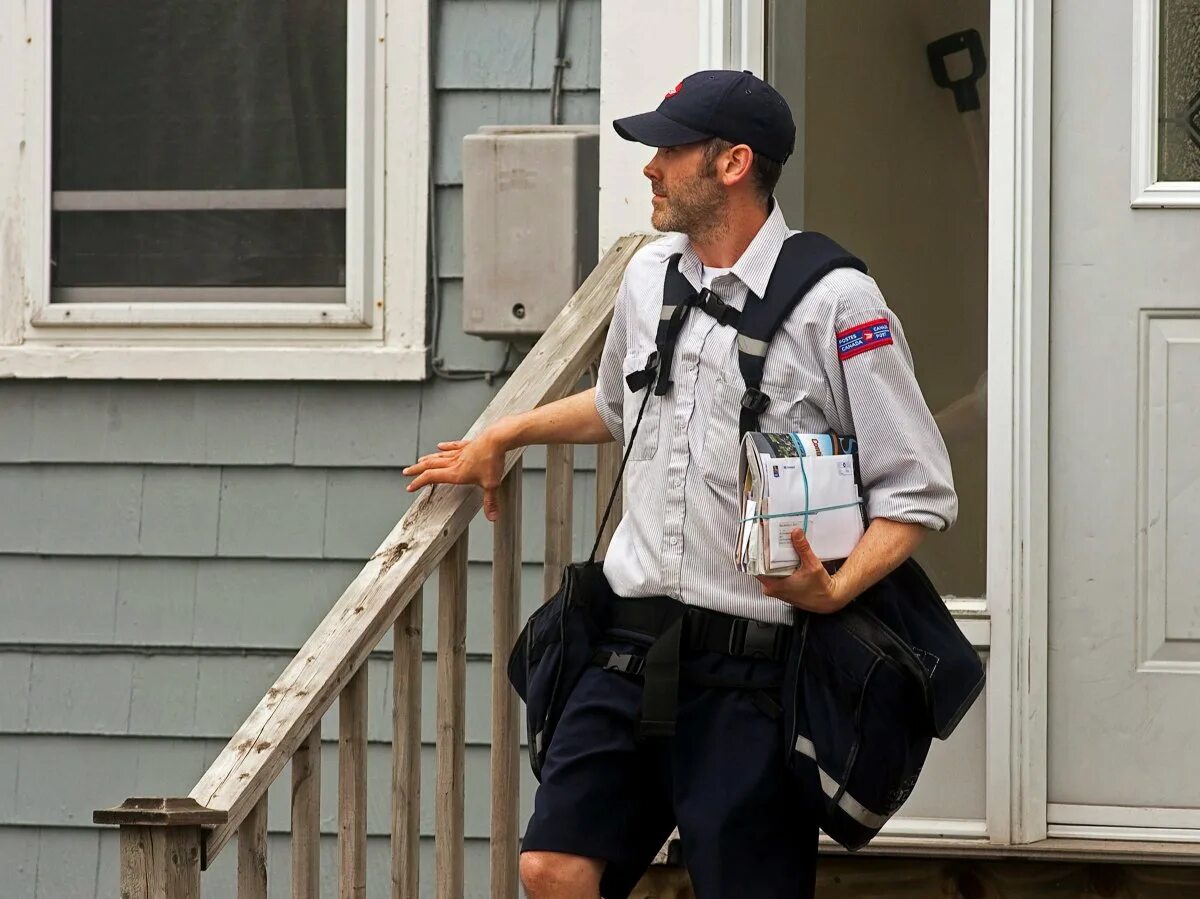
[[1018, 415]]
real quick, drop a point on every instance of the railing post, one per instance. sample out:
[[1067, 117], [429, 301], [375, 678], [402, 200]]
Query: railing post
[[406, 750], [560, 483], [451, 719], [352, 787], [306, 817], [506, 746], [252, 853], [161, 845]]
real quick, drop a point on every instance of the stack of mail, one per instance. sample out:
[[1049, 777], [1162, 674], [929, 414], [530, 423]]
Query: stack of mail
[[805, 481]]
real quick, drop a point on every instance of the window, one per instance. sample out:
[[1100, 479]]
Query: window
[[202, 191], [1166, 119]]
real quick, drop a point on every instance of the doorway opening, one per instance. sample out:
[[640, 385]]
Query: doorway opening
[[893, 165]]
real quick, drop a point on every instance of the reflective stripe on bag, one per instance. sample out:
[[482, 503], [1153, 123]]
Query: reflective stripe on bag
[[831, 788]]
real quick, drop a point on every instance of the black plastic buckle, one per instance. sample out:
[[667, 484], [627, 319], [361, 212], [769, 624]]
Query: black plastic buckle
[[625, 662], [758, 640], [755, 400], [636, 380], [713, 304], [640, 379]]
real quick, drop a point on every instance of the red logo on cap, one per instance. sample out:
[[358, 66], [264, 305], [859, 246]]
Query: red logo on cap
[[673, 91]]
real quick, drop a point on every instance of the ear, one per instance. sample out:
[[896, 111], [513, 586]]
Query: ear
[[739, 160]]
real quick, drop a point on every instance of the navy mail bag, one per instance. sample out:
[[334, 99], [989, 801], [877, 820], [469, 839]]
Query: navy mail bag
[[868, 689]]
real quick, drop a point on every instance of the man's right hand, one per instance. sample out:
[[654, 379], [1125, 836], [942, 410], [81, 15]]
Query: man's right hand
[[479, 461], [573, 419]]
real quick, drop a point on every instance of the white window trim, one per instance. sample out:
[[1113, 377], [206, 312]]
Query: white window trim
[[1018, 404], [733, 35], [1147, 191], [376, 331]]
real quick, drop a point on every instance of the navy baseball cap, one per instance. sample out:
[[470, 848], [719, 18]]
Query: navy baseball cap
[[734, 106]]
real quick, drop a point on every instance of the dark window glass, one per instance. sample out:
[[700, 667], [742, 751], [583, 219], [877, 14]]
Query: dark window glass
[[206, 96], [1179, 91], [250, 248]]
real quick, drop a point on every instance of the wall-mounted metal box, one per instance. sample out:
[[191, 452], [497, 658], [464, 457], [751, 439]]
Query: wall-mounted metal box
[[530, 224]]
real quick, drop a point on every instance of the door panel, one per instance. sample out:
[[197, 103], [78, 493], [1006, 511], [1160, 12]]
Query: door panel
[[1124, 603]]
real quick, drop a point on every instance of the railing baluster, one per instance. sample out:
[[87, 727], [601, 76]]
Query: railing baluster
[[608, 463], [252, 854], [560, 482], [306, 817], [406, 751], [352, 787], [506, 747], [451, 718]]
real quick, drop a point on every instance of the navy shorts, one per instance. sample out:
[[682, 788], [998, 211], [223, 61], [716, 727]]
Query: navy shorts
[[744, 826]]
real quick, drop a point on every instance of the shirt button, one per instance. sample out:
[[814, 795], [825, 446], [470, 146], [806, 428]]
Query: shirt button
[[673, 540]]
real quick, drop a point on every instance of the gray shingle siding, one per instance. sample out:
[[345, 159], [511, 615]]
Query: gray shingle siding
[[165, 546]]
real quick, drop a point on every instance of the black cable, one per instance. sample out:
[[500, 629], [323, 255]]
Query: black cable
[[560, 63]]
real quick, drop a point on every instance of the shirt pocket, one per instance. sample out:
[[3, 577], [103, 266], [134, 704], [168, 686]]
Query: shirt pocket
[[722, 433], [645, 445]]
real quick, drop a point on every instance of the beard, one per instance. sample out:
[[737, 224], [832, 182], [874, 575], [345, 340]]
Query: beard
[[694, 207]]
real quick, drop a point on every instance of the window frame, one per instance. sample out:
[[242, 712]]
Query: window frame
[[1147, 191], [377, 331]]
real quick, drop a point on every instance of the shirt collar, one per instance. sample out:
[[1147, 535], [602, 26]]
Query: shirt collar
[[753, 267]]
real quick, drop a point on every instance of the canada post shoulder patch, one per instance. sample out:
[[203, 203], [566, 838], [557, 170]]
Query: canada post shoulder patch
[[861, 338]]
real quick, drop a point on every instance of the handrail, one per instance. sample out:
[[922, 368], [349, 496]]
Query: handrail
[[283, 720]]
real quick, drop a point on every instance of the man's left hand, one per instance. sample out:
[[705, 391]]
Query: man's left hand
[[809, 587]]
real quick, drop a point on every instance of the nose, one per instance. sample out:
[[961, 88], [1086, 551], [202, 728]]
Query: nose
[[653, 170]]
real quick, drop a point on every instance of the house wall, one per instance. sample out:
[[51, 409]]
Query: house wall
[[165, 547]]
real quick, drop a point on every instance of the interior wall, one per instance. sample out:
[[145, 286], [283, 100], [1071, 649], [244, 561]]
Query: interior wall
[[888, 171]]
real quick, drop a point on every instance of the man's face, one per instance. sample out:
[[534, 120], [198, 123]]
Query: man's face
[[688, 197]]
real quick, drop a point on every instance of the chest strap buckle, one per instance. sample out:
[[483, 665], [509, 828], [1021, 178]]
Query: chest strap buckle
[[714, 306], [755, 400]]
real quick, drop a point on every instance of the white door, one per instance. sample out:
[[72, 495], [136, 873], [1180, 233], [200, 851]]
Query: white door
[[1124, 578]]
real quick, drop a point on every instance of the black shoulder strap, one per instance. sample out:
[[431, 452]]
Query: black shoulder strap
[[678, 297], [804, 259]]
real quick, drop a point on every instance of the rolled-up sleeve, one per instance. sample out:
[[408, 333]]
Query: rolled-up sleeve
[[610, 382], [902, 458]]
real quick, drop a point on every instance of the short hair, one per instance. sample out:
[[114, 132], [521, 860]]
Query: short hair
[[764, 171]]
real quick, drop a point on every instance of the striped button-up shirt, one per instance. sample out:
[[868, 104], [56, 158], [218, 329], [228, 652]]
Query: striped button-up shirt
[[682, 502]]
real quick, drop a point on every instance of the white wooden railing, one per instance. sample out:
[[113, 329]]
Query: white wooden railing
[[166, 843]]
